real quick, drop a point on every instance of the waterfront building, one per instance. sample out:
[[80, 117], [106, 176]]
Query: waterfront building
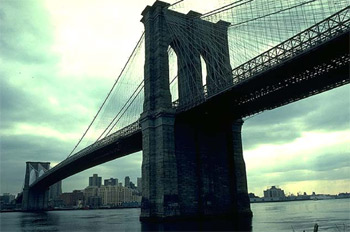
[[94, 201], [274, 192], [90, 191], [127, 182], [73, 199], [118, 196], [7, 201], [7, 198], [108, 194], [112, 193], [343, 195], [95, 180]]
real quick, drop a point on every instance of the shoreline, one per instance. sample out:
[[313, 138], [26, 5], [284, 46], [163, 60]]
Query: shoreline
[[64, 209]]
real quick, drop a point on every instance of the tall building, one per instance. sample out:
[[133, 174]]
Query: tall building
[[139, 184], [274, 192], [111, 182], [95, 180], [132, 185], [90, 191], [127, 182], [55, 191]]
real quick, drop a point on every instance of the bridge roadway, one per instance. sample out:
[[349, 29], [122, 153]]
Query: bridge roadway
[[311, 62]]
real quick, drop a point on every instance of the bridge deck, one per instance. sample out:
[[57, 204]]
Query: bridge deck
[[121, 143]]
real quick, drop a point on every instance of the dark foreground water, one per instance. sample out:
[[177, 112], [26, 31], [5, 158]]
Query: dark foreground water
[[330, 215]]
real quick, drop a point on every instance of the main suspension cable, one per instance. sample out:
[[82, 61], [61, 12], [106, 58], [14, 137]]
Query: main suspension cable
[[109, 93]]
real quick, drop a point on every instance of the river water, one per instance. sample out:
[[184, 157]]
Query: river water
[[330, 215]]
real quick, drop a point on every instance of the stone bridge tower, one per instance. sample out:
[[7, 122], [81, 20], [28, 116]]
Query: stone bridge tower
[[34, 199], [192, 163]]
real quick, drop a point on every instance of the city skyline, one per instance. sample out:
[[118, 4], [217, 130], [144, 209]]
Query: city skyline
[[302, 146]]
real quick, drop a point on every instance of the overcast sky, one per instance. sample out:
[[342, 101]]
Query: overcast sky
[[58, 60]]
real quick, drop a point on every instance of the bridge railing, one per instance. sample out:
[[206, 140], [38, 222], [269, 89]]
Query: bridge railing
[[326, 29], [126, 131], [330, 27]]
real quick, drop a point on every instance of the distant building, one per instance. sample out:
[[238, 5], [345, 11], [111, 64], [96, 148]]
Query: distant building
[[139, 184], [344, 195], [94, 201], [253, 198], [111, 194], [251, 195], [111, 181], [118, 196], [55, 191], [132, 185], [127, 182], [274, 193], [95, 180], [72, 199], [7, 201], [7, 198]]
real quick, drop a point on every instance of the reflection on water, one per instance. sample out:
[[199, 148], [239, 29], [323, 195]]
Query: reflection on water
[[38, 220], [330, 215]]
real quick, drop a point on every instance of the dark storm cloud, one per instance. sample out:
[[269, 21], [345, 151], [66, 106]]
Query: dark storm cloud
[[18, 149], [28, 76]]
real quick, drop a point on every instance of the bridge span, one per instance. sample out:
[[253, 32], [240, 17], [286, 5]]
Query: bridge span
[[314, 60]]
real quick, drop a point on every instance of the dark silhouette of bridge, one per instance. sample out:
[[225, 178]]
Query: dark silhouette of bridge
[[195, 141]]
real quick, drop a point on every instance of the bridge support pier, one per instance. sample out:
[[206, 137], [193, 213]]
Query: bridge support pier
[[211, 169], [159, 173], [34, 199]]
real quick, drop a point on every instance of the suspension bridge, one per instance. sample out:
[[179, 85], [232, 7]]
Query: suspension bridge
[[202, 74]]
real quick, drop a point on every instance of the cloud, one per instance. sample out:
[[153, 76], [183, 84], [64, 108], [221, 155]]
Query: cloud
[[327, 112], [318, 163], [328, 166], [25, 38], [15, 150]]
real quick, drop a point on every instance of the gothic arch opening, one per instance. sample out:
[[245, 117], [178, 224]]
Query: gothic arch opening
[[173, 74], [32, 176], [204, 71]]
